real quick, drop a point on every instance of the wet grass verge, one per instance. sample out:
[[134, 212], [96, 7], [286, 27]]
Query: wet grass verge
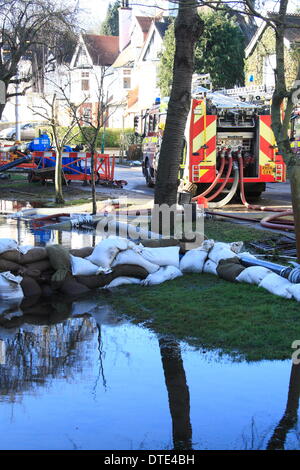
[[241, 320]]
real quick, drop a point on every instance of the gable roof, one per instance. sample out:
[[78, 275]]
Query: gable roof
[[144, 23], [291, 34], [103, 50]]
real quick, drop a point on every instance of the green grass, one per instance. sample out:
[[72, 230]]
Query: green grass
[[241, 320]]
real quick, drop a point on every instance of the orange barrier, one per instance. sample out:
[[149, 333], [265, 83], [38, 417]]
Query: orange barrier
[[76, 165]]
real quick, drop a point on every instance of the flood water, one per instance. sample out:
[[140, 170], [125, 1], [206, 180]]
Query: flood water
[[80, 376]]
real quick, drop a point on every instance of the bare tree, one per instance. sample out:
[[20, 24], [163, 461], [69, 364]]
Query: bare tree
[[31, 30], [51, 111]]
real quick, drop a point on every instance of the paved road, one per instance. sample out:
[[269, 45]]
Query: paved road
[[277, 194]]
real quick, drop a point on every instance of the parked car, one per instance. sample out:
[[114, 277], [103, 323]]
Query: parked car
[[27, 132]]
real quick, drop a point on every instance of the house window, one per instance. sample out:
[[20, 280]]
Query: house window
[[85, 85], [127, 78]]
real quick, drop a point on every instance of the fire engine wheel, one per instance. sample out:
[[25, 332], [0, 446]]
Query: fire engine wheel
[[148, 175]]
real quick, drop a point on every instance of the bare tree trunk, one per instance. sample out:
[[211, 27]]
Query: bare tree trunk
[[94, 199], [280, 125], [59, 199], [188, 29]]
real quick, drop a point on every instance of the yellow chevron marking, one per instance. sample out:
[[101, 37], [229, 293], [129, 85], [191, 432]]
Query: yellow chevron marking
[[267, 133], [202, 172], [198, 142]]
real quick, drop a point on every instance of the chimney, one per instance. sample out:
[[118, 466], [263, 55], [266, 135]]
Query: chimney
[[125, 14]]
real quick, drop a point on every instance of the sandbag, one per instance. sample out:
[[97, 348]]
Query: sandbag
[[210, 267], [122, 270], [33, 255], [12, 255], [10, 288], [164, 256], [221, 251], [165, 273], [131, 257], [95, 281], [6, 265], [30, 287], [129, 270], [253, 274], [229, 269], [277, 285], [84, 267], [106, 251], [60, 261], [7, 244], [43, 265], [193, 261], [160, 243], [82, 252], [120, 281], [72, 288], [294, 289]]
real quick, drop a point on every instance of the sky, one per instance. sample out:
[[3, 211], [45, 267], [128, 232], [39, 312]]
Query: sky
[[95, 10]]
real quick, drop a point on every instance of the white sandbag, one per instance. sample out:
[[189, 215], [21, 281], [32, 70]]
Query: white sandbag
[[106, 251], [7, 244], [276, 285], [165, 273], [253, 274], [193, 261], [236, 247], [207, 245], [24, 249], [10, 286], [164, 256], [294, 289], [84, 267], [120, 281], [210, 267], [222, 251], [131, 257]]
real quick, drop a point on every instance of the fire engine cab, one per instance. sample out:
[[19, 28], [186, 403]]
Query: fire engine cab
[[221, 132]]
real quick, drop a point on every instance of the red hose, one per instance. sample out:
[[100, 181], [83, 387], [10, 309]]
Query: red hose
[[269, 221], [213, 196], [215, 181]]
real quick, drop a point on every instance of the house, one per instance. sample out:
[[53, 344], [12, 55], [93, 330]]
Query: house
[[90, 73], [140, 42], [260, 54]]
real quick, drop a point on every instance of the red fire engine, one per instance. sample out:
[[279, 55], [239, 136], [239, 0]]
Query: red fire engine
[[222, 135]]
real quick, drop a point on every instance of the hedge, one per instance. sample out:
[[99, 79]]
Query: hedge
[[112, 137]]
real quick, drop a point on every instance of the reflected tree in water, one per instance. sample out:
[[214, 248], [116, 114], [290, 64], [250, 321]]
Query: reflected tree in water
[[178, 392], [43, 351], [290, 416]]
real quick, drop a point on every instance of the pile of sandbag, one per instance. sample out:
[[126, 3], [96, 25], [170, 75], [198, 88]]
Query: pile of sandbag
[[115, 261]]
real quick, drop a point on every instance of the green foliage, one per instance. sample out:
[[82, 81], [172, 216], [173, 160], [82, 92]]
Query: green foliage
[[110, 26], [112, 137], [165, 69], [219, 51]]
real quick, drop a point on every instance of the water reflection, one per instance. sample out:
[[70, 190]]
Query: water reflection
[[290, 416], [142, 389], [178, 392]]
